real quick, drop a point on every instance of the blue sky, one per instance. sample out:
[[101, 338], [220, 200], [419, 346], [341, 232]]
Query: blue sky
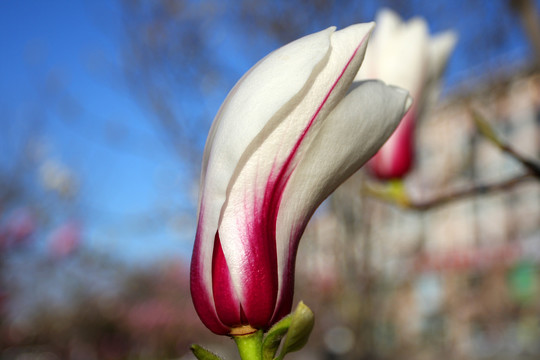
[[131, 184], [54, 44]]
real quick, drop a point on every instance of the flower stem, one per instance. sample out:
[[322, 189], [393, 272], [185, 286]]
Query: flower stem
[[250, 346]]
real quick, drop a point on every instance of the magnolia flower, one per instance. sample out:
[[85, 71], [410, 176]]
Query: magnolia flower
[[291, 130], [403, 54]]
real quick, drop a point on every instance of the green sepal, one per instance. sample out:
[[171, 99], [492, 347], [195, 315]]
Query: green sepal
[[397, 190], [393, 191], [302, 321], [203, 354], [273, 337]]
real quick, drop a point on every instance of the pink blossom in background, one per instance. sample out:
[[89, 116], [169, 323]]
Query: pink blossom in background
[[65, 239], [153, 314], [18, 228], [4, 298], [404, 54]]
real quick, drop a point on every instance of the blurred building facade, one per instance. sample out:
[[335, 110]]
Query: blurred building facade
[[458, 278]]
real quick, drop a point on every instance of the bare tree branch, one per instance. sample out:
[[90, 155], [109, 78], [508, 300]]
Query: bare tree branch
[[396, 194], [489, 133]]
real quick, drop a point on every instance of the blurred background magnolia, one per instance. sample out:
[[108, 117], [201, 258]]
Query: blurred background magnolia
[[432, 251]]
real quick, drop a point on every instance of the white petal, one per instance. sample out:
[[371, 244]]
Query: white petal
[[269, 88], [440, 48], [389, 20], [397, 53], [265, 89], [353, 132], [257, 187]]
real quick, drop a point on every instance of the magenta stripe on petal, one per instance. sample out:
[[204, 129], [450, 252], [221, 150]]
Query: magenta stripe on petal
[[202, 299], [284, 303], [225, 298], [260, 283], [285, 169]]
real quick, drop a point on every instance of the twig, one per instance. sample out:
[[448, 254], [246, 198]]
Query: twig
[[489, 133], [483, 189]]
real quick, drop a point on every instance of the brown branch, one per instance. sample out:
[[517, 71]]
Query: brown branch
[[424, 205], [482, 189], [485, 128], [530, 164]]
